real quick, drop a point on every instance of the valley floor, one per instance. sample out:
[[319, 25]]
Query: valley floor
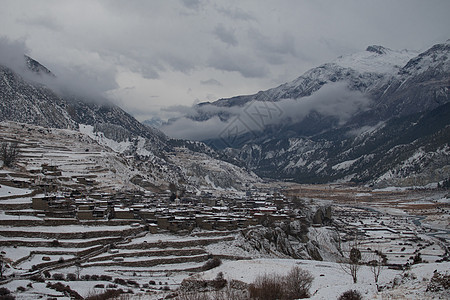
[[410, 227]]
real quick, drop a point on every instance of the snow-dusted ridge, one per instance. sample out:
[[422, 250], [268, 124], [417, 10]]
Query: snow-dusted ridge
[[407, 107], [144, 147], [376, 59]]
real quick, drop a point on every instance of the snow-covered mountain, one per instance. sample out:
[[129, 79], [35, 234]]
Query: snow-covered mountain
[[379, 116], [159, 160]]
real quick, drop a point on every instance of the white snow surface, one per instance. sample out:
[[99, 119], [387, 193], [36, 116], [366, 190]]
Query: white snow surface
[[344, 164], [330, 280], [370, 62], [6, 191], [102, 140], [66, 228]]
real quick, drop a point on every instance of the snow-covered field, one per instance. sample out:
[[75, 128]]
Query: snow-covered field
[[330, 280], [6, 191], [396, 222]]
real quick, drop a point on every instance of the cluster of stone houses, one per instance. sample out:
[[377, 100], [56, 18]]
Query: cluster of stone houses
[[159, 212]]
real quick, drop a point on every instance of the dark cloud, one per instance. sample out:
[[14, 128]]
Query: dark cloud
[[245, 64], [226, 35], [274, 50], [178, 62], [164, 47]]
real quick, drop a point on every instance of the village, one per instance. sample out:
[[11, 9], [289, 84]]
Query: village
[[149, 242], [145, 242], [168, 210]]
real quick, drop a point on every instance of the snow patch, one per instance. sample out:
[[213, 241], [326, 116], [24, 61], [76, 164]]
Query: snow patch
[[344, 165], [100, 138]]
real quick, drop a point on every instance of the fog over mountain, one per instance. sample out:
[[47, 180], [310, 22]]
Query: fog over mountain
[[148, 56], [76, 81], [334, 100], [372, 116]]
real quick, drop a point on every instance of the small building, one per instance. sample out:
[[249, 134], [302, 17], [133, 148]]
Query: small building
[[40, 203], [123, 213]]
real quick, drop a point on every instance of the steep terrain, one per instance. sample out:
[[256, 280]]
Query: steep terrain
[[380, 116], [156, 159]]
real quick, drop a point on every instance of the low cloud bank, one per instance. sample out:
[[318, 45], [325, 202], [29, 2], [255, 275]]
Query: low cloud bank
[[77, 81], [209, 121]]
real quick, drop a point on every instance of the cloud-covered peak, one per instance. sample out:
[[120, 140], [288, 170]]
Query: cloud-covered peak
[[378, 49]]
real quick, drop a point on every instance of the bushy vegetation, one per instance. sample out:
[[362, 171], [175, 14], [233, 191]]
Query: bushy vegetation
[[226, 293], [109, 294], [439, 282], [212, 263], [64, 289], [71, 277], [295, 285], [9, 153], [350, 295], [58, 276], [445, 184], [5, 294]]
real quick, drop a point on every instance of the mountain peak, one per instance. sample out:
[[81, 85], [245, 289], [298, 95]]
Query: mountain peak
[[36, 67], [377, 49]]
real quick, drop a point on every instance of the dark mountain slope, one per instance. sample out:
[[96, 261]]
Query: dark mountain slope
[[406, 118], [155, 161]]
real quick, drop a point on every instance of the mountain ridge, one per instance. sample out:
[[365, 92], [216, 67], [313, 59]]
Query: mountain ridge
[[27, 100], [402, 87]]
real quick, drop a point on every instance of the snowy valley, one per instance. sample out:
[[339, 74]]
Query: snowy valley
[[346, 176]]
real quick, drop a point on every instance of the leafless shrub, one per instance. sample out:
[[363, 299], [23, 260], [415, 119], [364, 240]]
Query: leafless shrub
[[46, 273], [9, 153], [376, 264], [193, 296], [350, 295], [212, 263], [352, 264], [3, 266], [86, 277], [64, 289], [104, 277], [295, 285], [5, 294], [58, 276], [266, 287], [71, 277], [109, 294], [439, 282]]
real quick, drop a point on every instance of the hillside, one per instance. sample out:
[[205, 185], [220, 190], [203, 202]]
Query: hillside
[[380, 117], [27, 100]]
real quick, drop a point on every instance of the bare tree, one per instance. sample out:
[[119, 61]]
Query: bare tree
[[2, 266], [297, 283], [78, 268], [9, 153], [376, 265], [352, 264]]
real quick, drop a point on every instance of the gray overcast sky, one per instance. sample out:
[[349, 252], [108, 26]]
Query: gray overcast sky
[[149, 54]]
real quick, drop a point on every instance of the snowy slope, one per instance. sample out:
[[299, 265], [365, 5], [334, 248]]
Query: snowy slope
[[85, 154], [33, 103], [406, 107]]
